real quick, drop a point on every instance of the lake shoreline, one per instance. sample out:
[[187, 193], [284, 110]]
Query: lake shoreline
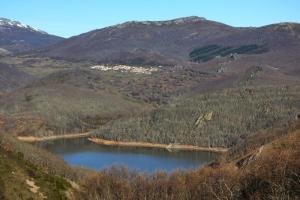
[[53, 137], [155, 145], [124, 144]]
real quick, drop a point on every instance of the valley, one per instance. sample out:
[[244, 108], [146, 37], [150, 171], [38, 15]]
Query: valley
[[187, 108]]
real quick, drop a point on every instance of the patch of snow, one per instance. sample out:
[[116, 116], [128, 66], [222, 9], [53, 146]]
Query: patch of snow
[[10, 23]]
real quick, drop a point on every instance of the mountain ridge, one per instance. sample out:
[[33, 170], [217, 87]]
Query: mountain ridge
[[16, 37], [11, 23], [168, 42]]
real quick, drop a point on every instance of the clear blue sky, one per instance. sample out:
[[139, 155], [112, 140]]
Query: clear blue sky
[[71, 17]]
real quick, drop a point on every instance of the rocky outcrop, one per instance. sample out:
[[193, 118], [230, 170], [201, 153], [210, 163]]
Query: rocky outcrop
[[203, 119]]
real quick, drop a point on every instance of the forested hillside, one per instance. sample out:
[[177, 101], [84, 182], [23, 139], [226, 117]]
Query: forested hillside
[[221, 118]]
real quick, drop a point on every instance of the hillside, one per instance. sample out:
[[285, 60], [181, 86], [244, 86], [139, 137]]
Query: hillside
[[139, 42], [68, 101], [217, 119], [73, 94], [16, 37], [22, 179], [69, 97], [12, 78], [171, 42]]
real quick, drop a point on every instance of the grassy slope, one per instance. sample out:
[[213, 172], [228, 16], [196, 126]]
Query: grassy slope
[[235, 114], [15, 171]]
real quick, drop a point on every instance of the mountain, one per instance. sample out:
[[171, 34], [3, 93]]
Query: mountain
[[161, 42], [16, 37], [173, 42]]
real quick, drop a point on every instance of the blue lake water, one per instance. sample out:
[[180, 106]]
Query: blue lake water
[[83, 153]]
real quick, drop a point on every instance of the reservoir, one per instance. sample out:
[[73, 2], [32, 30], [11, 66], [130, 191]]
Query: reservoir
[[83, 153]]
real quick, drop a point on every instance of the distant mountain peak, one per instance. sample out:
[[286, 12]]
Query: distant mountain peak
[[17, 37], [177, 21], [188, 19], [288, 25], [7, 23]]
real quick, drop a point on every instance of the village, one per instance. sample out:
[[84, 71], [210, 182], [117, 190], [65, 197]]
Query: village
[[126, 68]]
